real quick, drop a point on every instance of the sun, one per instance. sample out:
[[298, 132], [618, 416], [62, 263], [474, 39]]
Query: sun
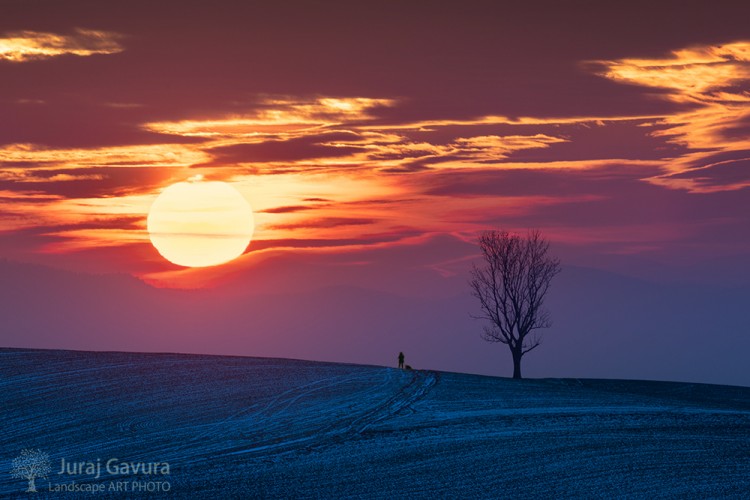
[[199, 223]]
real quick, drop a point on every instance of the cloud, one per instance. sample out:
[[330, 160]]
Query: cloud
[[89, 182], [695, 74], [286, 209], [493, 147], [589, 179], [327, 173], [715, 81], [278, 116], [24, 46], [462, 152], [46, 176], [334, 244], [316, 171], [325, 223], [141, 155], [299, 148], [713, 176]]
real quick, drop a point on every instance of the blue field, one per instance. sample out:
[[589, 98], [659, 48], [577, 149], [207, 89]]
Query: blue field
[[234, 427]]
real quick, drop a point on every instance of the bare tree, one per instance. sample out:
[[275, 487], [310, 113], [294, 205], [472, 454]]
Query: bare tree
[[31, 464], [511, 285]]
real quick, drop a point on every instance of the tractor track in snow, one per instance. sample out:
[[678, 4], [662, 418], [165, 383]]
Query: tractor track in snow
[[307, 437]]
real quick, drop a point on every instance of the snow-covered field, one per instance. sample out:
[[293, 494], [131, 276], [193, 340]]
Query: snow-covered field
[[233, 427]]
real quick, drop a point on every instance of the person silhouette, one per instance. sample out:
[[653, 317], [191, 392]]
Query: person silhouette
[[401, 360]]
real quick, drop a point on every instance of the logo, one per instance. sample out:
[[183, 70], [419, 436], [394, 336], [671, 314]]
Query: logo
[[91, 476], [29, 465]]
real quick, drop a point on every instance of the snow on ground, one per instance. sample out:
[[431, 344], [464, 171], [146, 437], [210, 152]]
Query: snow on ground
[[234, 427]]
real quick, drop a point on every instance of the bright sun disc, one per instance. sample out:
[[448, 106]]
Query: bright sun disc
[[200, 223]]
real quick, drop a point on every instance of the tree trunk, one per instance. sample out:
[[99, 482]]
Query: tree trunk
[[32, 485], [517, 363]]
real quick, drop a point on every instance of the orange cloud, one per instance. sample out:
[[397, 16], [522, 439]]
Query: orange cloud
[[489, 147], [155, 155], [22, 46], [360, 198], [25, 209], [430, 125], [276, 116], [716, 81], [691, 73], [356, 154]]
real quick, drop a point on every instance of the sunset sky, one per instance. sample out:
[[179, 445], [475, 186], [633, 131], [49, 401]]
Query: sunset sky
[[616, 129]]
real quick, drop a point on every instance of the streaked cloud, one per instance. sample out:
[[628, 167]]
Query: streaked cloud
[[715, 82], [493, 147], [277, 115], [343, 174], [22, 46], [38, 156], [695, 74]]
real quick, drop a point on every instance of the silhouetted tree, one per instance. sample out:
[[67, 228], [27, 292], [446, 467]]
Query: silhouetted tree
[[511, 285]]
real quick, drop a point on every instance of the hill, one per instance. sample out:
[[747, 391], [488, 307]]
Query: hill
[[232, 427], [604, 325]]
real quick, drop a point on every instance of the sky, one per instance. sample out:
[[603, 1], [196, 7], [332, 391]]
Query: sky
[[374, 140]]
